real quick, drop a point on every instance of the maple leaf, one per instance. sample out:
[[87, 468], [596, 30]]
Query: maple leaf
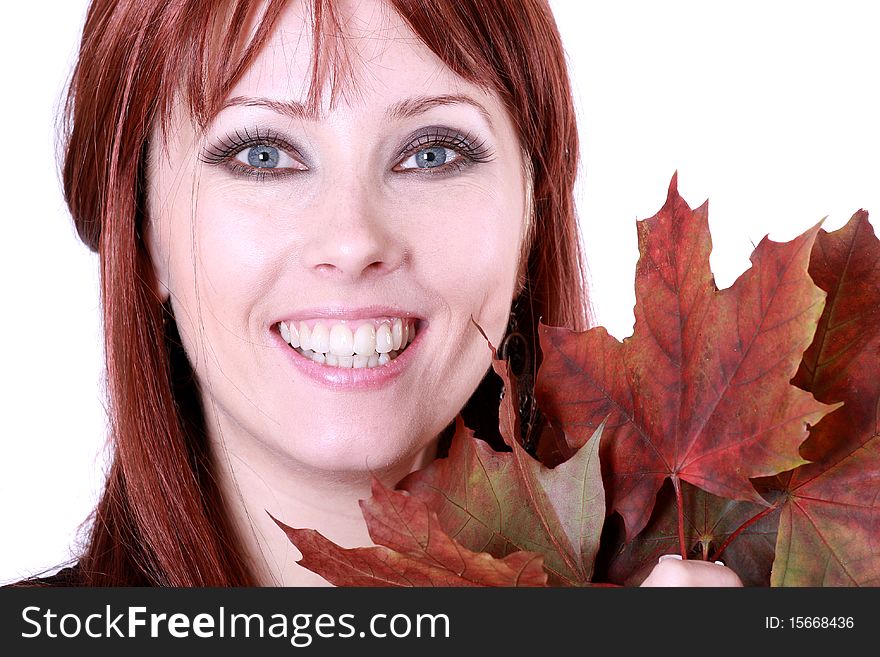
[[700, 392], [506, 501], [710, 522], [413, 551], [829, 531]]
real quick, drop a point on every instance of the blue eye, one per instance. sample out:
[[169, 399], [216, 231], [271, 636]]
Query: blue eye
[[429, 158], [264, 156]]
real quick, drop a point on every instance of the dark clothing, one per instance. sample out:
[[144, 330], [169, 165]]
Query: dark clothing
[[65, 577]]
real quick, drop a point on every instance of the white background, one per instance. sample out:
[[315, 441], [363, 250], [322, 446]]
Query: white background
[[769, 109]]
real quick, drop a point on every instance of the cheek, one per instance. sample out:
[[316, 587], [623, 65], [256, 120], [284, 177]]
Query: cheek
[[233, 257], [221, 265], [471, 247]]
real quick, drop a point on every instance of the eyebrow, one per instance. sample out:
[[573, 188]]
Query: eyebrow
[[399, 110], [419, 104], [286, 107]]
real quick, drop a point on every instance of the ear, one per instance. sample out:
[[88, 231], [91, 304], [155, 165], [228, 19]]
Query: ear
[[153, 238], [158, 254]]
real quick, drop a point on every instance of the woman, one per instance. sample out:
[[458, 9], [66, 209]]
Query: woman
[[302, 210]]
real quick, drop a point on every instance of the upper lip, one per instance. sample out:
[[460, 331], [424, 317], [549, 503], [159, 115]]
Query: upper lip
[[341, 312]]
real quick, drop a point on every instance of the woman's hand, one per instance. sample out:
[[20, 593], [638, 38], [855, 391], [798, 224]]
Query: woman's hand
[[672, 570]]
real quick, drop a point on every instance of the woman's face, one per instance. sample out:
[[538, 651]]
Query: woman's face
[[370, 234]]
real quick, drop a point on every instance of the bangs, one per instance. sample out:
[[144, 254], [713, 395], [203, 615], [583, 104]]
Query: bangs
[[218, 45], [207, 48]]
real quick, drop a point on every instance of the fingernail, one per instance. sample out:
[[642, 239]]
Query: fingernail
[[719, 563], [669, 556]]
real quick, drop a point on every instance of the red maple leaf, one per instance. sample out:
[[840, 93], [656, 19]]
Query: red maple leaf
[[506, 501], [709, 523], [829, 531], [413, 551], [700, 392]]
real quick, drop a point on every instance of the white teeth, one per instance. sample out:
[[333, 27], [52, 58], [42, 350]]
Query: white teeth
[[365, 339], [357, 361], [341, 340], [396, 333], [320, 338], [305, 336], [336, 346], [289, 333], [383, 338]]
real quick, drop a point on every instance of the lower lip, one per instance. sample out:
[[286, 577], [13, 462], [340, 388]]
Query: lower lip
[[362, 378]]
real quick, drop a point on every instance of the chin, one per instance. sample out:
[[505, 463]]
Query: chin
[[363, 451]]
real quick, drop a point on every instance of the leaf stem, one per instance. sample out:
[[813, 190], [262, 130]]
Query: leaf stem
[[755, 518], [680, 504]]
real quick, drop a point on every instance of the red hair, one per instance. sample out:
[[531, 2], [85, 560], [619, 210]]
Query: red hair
[[161, 519]]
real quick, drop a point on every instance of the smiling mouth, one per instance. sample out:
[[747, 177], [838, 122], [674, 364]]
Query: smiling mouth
[[347, 344]]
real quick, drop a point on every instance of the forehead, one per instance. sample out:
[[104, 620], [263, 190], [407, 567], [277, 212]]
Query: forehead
[[366, 56]]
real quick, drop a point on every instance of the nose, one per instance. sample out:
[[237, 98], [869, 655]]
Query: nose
[[353, 235]]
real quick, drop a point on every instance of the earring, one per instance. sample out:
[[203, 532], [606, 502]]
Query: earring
[[516, 350]]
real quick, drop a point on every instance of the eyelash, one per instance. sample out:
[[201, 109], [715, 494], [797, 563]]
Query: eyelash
[[224, 152], [467, 148]]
